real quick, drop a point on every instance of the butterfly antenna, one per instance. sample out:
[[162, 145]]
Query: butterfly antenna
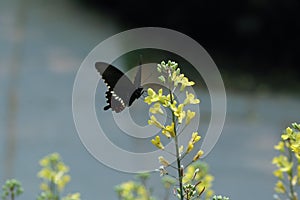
[[141, 63], [141, 60]]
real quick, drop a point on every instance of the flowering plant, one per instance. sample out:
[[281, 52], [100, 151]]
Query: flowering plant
[[171, 77], [193, 180], [288, 163], [55, 177]]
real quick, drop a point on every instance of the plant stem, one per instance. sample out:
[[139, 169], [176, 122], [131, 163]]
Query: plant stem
[[12, 196], [177, 150], [290, 174], [147, 191]]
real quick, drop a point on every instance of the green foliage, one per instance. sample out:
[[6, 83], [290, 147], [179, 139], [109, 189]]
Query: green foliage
[[288, 163], [11, 189]]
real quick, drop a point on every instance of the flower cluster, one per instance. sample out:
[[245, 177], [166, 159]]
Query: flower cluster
[[288, 162], [55, 177], [171, 77], [11, 189], [134, 190], [197, 175], [165, 100]]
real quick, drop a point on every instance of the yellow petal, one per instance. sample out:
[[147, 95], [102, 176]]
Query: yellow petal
[[156, 142], [189, 116], [156, 109], [163, 161], [198, 155], [153, 121]]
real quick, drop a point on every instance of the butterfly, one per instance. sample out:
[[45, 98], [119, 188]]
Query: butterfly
[[121, 91]]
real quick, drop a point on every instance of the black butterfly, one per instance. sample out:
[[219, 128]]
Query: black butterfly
[[121, 91]]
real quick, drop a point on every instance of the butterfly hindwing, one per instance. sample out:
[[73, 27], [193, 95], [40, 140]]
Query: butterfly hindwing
[[116, 104], [121, 91]]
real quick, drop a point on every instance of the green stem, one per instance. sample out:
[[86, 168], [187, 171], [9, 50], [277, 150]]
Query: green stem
[[147, 191], [12, 194], [290, 174], [177, 150]]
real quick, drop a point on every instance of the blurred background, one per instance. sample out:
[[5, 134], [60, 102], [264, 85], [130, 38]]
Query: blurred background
[[42, 44]]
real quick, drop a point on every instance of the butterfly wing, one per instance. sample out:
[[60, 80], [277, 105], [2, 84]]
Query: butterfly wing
[[137, 85], [137, 79], [120, 88]]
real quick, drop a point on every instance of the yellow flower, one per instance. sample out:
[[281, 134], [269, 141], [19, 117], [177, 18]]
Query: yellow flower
[[295, 144], [190, 147], [279, 146], [75, 196], [297, 156], [153, 121], [282, 163], [198, 173], [181, 117], [169, 131], [279, 187], [296, 126], [209, 193], [288, 134], [45, 173], [195, 138], [278, 173], [179, 113], [189, 116], [44, 187], [62, 167], [163, 161], [207, 180], [166, 101], [190, 99], [152, 96], [173, 106], [44, 162], [198, 155], [128, 186], [294, 180], [296, 147], [156, 109], [185, 82], [142, 193], [156, 142], [61, 181], [189, 174], [176, 78], [181, 148]]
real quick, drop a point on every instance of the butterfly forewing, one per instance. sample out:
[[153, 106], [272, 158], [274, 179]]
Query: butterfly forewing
[[120, 88], [138, 77]]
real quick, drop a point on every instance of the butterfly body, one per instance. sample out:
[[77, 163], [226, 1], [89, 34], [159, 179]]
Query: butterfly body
[[121, 91]]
